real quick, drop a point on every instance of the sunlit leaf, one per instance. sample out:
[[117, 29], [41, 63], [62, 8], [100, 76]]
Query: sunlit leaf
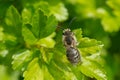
[[78, 34], [45, 7], [52, 68], [87, 12], [34, 71], [96, 58], [21, 59], [4, 73], [28, 35], [47, 42], [68, 73], [47, 75], [3, 52], [59, 11], [46, 54], [90, 46], [27, 14], [115, 4], [110, 24], [92, 70]]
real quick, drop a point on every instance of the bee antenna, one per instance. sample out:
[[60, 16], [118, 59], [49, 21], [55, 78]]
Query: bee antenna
[[60, 27], [71, 21]]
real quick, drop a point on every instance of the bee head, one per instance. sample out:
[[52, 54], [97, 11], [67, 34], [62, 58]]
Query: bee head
[[67, 32]]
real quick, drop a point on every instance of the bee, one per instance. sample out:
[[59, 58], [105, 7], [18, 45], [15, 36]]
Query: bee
[[69, 39], [73, 55], [70, 43]]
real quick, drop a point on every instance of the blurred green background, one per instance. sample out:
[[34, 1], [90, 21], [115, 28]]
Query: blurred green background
[[99, 19]]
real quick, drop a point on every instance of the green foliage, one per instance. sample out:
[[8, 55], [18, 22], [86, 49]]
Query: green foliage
[[93, 69], [13, 21], [31, 46], [19, 60], [34, 72]]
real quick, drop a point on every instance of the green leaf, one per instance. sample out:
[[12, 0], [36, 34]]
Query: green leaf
[[10, 41], [46, 54], [86, 45], [3, 53], [78, 34], [3, 73], [68, 73], [21, 59], [38, 23], [34, 71], [59, 11], [90, 46], [52, 68], [27, 14], [6, 75], [44, 6], [86, 9], [92, 69], [13, 21], [1, 34], [3, 7], [28, 35], [47, 42], [110, 24], [50, 27], [2, 46], [96, 58], [47, 75], [43, 25], [75, 70], [114, 4]]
